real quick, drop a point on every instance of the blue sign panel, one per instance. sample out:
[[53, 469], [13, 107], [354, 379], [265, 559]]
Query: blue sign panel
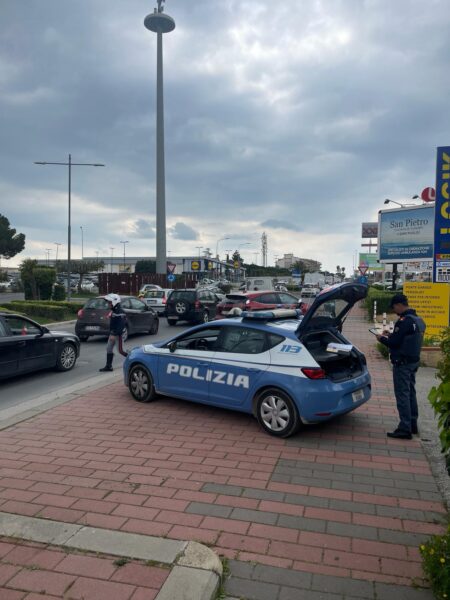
[[406, 234], [441, 257], [171, 278], [362, 280]]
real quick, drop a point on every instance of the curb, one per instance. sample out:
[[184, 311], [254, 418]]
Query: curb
[[195, 573]]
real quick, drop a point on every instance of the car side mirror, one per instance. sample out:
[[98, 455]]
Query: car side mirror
[[172, 346], [43, 330]]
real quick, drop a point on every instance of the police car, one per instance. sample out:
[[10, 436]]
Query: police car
[[285, 369]]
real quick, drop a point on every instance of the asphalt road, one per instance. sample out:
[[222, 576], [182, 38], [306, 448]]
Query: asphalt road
[[41, 384]]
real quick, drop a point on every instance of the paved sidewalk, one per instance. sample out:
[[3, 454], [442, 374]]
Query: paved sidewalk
[[336, 512]]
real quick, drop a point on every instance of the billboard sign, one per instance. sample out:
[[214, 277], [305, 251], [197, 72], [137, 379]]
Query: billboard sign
[[370, 261], [441, 256], [369, 230], [406, 234], [432, 303]]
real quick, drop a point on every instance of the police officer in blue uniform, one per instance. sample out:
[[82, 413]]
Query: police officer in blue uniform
[[404, 345], [117, 325]]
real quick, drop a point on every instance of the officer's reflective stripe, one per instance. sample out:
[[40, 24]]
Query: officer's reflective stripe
[[210, 375]]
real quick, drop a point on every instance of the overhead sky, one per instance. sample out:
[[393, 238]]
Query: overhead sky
[[296, 118]]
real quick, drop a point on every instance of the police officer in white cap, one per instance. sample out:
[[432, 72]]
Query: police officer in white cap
[[117, 325]]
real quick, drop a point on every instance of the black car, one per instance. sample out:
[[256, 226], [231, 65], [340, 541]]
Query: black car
[[93, 318], [196, 306], [27, 346]]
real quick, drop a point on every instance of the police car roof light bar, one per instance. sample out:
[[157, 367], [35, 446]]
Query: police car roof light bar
[[268, 315]]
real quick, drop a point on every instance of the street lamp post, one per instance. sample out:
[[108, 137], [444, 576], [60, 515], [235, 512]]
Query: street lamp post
[[199, 248], [217, 245], [57, 244], [47, 252], [389, 201], [112, 256], [69, 164], [82, 243], [160, 23], [124, 244]]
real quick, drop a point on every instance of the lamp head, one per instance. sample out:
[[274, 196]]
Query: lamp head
[[387, 201]]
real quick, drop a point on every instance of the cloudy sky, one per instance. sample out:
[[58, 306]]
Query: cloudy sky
[[295, 118]]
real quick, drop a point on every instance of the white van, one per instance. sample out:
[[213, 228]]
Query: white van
[[259, 283]]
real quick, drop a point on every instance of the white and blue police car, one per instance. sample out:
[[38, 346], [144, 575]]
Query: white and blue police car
[[284, 369]]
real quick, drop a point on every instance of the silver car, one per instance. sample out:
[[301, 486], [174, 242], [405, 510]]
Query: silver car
[[157, 299]]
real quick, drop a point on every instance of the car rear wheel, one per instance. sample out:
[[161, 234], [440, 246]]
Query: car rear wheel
[[140, 384], [277, 413], [171, 322], [67, 357], [154, 328]]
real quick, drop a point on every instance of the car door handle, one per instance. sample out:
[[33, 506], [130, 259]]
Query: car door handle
[[254, 370], [203, 364], [23, 343]]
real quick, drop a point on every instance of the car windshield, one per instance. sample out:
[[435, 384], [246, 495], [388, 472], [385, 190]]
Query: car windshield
[[182, 295], [97, 303]]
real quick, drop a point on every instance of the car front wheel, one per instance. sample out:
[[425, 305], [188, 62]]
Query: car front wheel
[[277, 413], [67, 357], [140, 384]]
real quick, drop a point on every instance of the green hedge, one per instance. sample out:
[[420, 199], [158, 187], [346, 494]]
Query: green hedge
[[382, 298], [57, 311]]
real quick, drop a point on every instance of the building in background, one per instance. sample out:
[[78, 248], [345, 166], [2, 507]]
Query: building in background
[[289, 260]]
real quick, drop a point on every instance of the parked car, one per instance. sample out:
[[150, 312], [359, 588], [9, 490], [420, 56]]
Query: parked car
[[93, 318], [157, 299], [309, 290], [264, 300], [147, 287], [26, 346], [194, 305], [271, 364]]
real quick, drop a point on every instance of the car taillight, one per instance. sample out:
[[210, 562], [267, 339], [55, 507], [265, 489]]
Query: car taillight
[[314, 373], [164, 300], [197, 304], [80, 313], [219, 309]]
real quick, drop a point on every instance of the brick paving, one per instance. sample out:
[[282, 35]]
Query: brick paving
[[338, 511], [31, 571]]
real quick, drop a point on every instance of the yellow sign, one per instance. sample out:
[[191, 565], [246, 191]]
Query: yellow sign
[[236, 264], [432, 303], [195, 265]]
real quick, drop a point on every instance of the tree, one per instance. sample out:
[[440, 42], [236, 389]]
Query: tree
[[303, 268], [145, 266], [26, 275], [82, 268], [237, 257], [11, 243]]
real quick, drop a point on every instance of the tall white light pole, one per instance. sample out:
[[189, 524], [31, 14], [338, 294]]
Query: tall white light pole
[[82, 243], [160, 23]]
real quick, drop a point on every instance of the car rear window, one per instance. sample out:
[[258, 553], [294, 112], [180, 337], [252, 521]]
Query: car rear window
[[235, 299], [182, 295], [97, 303], [155, 294]]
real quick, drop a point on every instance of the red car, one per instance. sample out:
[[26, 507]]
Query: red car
[[258, 301]]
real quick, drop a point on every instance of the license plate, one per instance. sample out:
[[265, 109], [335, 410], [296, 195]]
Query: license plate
[[151, 301], [173, 318], [358, 396], [92, 327]]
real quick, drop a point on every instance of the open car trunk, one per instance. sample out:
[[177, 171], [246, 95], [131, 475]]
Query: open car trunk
[[337, 366]]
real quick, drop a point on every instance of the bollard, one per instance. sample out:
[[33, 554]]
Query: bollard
[[375, 311], [391, 326], [384, 321]]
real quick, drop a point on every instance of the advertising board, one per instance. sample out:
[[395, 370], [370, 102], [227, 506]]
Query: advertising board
[[369, 230], [370, 260], [406, 234], [441, 257], [432, 303]]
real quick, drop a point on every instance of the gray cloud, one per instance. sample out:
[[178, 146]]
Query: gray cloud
[[280, 224], [181, 231]]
